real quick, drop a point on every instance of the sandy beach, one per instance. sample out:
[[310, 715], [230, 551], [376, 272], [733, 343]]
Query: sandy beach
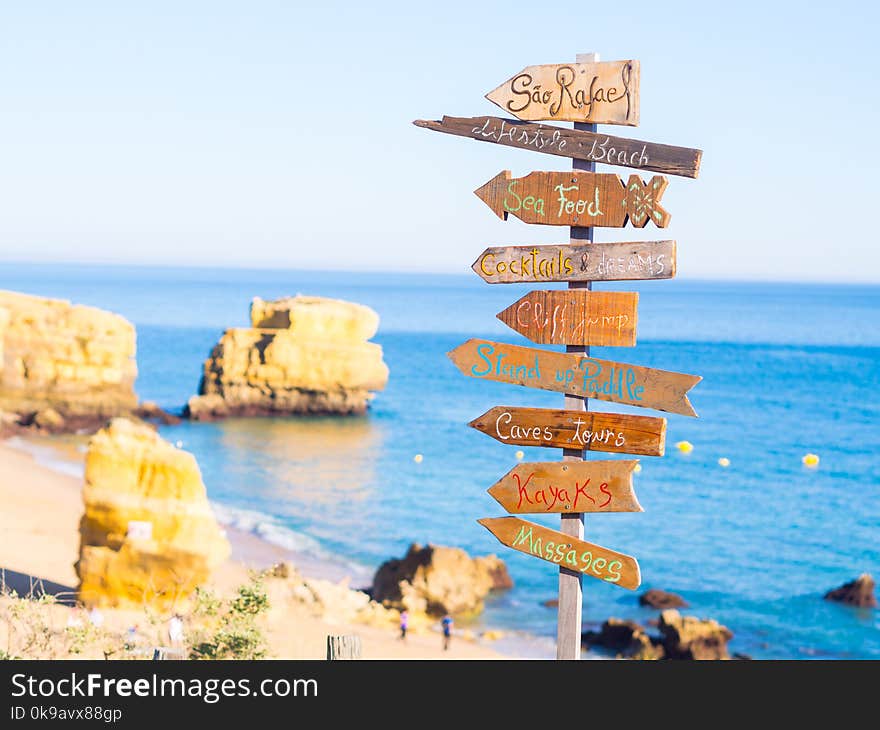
[[39, 523]]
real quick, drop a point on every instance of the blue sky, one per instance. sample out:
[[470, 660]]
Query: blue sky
[[279, 134]]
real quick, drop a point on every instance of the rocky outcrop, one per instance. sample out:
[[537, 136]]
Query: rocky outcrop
[[681, 637], [436, 580], [859, 592], [655, 598], [148, 535], [626, 639], [64, 366], [302, 355], [688, 637]]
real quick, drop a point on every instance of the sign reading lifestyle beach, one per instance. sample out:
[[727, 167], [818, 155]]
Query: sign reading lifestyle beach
[[587, 92]]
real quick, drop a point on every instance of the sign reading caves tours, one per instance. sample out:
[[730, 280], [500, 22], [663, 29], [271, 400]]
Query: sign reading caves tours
[[587, 92]]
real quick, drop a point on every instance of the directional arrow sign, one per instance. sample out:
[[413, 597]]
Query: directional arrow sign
[[575, 317], [635, 260], [568, 487], [577, 199], [599, 93], [574, 374], [590, 431], [565, 550], [577, 144]]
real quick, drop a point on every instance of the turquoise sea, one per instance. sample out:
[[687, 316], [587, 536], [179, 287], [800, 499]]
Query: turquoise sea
[[788, 369]]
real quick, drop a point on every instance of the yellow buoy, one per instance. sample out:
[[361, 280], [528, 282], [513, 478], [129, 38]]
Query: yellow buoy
[[637, 468], [724, 461], [685, 447], [520, 455], [811, 460], [418, 458]]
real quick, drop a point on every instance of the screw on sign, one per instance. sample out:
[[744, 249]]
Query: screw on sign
[[586, 92]]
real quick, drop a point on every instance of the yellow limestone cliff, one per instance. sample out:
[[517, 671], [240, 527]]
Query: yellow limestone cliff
[[66, 360], [148, 534], [300, 355]]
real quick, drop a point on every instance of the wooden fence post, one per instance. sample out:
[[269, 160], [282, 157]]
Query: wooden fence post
[[346, 646]]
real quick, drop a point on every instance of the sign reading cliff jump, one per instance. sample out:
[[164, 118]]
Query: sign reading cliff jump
[[600, 93], [587, 93], [586, 377], [575, 317], [576, 199]]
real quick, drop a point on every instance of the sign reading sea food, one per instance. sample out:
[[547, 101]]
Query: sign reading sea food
[[604, 92], [577, 144], [568, 487], [575, 317], [634, 260], [587, 377], [581, 430], [586, 199], [566, 551]]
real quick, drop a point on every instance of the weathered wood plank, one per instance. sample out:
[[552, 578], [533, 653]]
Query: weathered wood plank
[[575, 317], [568, 487], [583, 199], [625, 261], [564, 550], [574, 374], [611, 432], [604, 92], [574, 143]]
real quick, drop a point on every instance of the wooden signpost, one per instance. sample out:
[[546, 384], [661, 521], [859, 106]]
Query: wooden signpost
[[586, 92], [580, 430], [566, 551], [575, 317], [568, 487], [574, 143], [638, 260], [585, 377], [596, 93], [576, 199]]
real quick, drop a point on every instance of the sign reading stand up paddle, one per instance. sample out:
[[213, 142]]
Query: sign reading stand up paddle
[[587, 93]]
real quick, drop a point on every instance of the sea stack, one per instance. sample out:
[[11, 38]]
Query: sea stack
[[301, 355], [64, 366], [148, 534]]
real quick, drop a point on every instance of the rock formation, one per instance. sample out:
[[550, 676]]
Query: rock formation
[[64, 366], [148, 534], [688, 637], [626, 638], [655, 598], [681, 637], [436, 580], [859, 592], [301, 355]]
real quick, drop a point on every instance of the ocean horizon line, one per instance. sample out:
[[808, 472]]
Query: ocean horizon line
[[415, 273]]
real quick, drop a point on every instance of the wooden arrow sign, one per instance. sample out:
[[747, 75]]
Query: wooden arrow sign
[[587, 377], [574, 143], [605, 92], [577, 199], [636, 260], [575, 317], [568, 487], [565, 551], [590, 431]]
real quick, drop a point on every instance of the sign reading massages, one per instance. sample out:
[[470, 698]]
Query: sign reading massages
[[586, 93]]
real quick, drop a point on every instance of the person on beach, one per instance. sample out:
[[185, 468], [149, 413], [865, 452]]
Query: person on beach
[[404, 622], [447, 631]]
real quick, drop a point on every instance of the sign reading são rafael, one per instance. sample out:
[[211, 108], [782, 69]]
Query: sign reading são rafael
[[587, 93]]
